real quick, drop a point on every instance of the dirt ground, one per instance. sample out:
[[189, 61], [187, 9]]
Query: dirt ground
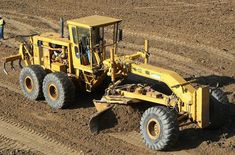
[[191, 37]]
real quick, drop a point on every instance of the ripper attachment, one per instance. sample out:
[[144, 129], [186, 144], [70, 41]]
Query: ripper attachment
[[25, 52]]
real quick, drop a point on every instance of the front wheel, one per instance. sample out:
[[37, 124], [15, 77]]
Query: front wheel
[[58, 90], [159, 128]]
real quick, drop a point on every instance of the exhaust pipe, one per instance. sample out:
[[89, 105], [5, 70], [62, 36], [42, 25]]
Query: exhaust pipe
[[62, 27]]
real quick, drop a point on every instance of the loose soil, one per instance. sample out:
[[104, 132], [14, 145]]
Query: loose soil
[[193, 38]]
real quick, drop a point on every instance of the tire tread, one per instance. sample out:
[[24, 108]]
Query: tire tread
[[170, 128], [67, 87]]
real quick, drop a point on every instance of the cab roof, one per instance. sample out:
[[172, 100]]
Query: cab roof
[[93, 21]]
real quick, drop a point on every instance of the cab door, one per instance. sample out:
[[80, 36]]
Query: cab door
[[75, 46], [81, 50]]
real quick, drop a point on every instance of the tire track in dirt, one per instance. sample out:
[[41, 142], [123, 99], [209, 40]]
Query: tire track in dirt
[[9, 86], [166, 63], [17, 27], [171, 5], [50, 23], [135, 139], [10, 145], [183, 64], [31, 139], [200, 47]]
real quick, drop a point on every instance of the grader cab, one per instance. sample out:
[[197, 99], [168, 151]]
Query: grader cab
[[81, 53], [53, 62]]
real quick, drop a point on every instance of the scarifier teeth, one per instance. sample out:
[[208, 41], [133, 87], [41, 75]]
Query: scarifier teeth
[[20, 65], [12, 66], [4, 68]]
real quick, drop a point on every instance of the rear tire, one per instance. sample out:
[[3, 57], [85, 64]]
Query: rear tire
[[218, 109], [159, 128], [31, 79], [58, 90]]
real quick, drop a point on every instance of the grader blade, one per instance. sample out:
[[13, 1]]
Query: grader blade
[[94, 123], [11, 59]]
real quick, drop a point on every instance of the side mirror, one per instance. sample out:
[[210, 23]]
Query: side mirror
[[120, 34]]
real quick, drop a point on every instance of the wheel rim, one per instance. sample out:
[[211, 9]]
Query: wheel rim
[[53, 92], [28, 83], [153, 129]]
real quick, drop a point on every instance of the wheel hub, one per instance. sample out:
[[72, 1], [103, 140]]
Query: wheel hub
[[153, 129], [28, 83], [53, 92]]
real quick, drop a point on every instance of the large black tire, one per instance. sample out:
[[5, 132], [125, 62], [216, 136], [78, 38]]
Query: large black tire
[[218, 108], [31, 79], [58, 90], [159, 128]]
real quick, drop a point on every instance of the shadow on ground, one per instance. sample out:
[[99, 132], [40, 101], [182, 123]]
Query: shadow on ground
[[215, 80], [191, 138]]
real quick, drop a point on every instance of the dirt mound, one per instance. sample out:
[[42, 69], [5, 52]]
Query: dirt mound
[[121, 118]]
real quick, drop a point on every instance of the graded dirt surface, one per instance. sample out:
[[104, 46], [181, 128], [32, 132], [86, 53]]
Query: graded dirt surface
[[28, 137], [193, 38]]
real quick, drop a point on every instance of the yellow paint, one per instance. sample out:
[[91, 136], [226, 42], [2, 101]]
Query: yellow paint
[[162, 101], [93, 21], [58, 67], [193, 101], [202, 107]]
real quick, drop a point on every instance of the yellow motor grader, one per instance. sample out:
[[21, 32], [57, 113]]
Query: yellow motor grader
[[90, 54]]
